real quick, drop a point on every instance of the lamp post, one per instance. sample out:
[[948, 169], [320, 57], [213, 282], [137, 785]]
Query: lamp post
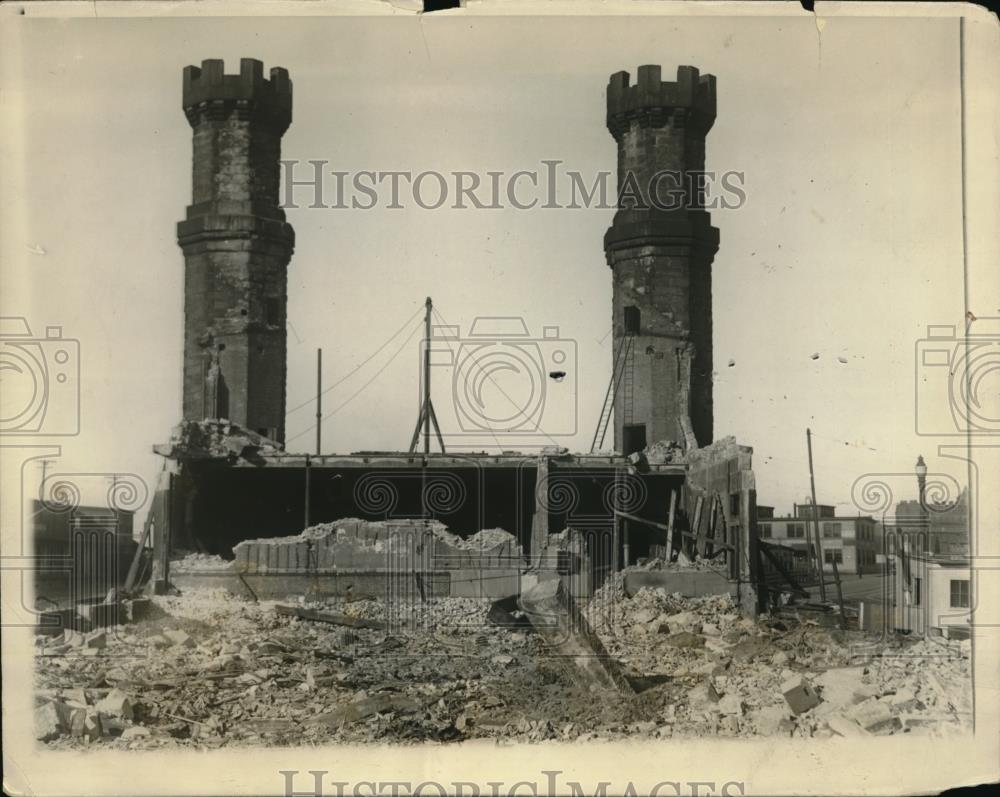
[[921, 470]]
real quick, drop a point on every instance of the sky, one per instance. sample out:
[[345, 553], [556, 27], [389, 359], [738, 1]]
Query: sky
[[848, 246]]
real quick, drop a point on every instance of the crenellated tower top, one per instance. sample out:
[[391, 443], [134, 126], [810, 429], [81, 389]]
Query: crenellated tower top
[[209, 89], [654, 102]]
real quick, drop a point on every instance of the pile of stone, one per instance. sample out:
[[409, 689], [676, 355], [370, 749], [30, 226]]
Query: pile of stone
[[214, 670], [199, 562], [737, 677], [207, 669], [400, 545], [664, 452], [218, 439]]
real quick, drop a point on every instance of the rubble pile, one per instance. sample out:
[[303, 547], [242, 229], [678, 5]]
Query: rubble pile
[[664, 452], [732, 676], [682, 562], [199, 562], [206, 669], [218, 438], [400, 545]]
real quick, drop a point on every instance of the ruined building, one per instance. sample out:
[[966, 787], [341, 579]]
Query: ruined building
[[660, 248], [228, 479], [236, 246]]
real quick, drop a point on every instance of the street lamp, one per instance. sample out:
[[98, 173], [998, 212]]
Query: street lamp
[[921, 470]]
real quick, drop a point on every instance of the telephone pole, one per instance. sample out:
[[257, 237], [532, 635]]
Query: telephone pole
[[815, 519], [319, 398]]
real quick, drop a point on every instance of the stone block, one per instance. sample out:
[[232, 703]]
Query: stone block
[[92, 727], [799, 694], [843, 726], [72, 717], [870, 714], [178, 637], [768, 719], [116, 704], [47, 725], [686, 639], [731, 704]]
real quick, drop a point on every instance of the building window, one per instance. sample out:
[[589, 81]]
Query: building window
[[831, 529], [765, 530], [796, 530], [960, 593], [833, 555]]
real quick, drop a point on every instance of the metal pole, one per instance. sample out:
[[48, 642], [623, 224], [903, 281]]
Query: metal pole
[[308, 476], [427, 378], [319, 398], [815, 517]]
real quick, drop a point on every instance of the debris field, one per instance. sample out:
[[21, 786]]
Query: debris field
[[206, 669]]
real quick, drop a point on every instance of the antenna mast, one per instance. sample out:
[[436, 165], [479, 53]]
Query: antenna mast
[[427, 416]]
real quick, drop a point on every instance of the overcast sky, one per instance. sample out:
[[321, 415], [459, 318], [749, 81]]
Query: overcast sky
[[849, 244]]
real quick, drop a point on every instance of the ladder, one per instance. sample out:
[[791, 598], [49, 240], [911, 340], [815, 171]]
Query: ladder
[[622, 365], [627, 379]]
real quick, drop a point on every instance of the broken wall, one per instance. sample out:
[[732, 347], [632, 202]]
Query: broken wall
[[720, 501]]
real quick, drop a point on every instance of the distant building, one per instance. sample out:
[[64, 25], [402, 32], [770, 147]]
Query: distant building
[[852, 542], [931, 594], [945, 524]]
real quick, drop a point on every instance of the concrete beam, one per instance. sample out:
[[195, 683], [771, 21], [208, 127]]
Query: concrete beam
[[556, 617]]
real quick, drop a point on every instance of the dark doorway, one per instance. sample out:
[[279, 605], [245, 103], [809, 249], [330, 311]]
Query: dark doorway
[[632, 320], [633, 438]]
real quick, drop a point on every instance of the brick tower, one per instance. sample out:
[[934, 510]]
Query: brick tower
[[236, 247], [660, 250]]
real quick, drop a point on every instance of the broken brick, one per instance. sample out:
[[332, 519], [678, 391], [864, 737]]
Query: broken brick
[[116, 704], [799, 694]]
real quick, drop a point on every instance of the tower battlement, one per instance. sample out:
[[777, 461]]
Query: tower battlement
[[208, 87], [654, 101]]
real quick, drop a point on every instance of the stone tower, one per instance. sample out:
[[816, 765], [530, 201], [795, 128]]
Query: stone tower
[[660, 248], [236, 247]]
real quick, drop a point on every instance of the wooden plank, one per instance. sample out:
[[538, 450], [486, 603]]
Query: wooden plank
[[329, 617], [696, 525], [670, 525], [133, 570]]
